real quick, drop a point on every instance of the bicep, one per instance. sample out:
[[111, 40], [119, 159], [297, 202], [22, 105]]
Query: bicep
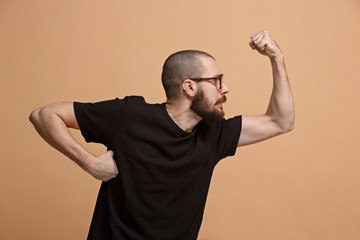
[[257, 128]]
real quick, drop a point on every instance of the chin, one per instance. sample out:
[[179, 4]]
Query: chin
[[220, 110]]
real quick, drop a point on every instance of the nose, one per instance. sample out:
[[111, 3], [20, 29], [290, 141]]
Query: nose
[[224, 89]]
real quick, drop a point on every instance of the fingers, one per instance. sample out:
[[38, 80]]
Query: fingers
[[258, 36], [260, 46], [106, 168], [259, 40], [252, 45], [264, 44]]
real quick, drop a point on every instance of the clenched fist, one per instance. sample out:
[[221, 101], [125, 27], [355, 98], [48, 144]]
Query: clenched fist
[[104, 167], [264, 44]]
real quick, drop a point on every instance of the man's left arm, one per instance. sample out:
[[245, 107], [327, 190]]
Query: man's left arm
[[280, 115]]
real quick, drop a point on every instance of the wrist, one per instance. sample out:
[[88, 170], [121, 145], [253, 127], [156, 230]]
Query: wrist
[[277, 59], [89, 163]]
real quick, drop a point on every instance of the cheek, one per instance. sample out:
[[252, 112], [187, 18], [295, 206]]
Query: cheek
[[209, 100], [214, 97], [210, 97]]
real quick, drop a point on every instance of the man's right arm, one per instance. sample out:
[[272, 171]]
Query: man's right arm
[[52, 123]]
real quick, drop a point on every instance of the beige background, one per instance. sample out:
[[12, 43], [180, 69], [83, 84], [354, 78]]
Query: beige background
[[301, 185]]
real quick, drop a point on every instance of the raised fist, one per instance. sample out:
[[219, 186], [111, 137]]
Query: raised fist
[[264, 44]]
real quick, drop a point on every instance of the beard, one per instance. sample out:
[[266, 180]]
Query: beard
[[206, 110]]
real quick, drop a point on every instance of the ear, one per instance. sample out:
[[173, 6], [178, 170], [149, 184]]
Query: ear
[[189, 87]]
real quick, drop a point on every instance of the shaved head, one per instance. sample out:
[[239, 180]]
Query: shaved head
[[180, 66]]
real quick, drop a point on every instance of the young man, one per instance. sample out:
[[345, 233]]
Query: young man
[[157, 170]]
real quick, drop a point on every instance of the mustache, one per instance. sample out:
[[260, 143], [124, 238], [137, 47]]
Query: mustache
[[221, 100]]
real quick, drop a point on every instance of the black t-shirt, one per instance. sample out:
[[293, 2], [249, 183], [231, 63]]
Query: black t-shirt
[[164, 172]]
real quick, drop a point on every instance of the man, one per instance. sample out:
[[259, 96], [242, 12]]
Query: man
[[157, 170]]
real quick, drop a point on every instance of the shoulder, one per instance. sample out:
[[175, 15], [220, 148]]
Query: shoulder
[[122, 103], [136, 106], [134, 102], [134, 99], [110, 106]]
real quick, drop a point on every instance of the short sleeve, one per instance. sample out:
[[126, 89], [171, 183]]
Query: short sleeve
[[99, 121], [226, 137]]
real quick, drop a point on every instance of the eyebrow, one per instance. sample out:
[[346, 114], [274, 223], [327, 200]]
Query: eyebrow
[[202, 78], [217, 75]]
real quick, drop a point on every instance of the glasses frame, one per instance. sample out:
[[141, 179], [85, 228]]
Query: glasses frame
[[217, 78]]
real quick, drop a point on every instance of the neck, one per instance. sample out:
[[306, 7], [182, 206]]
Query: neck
[[182, 115]]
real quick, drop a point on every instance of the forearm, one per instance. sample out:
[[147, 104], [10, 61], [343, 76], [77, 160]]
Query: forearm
[[54, 131], [281, 105]]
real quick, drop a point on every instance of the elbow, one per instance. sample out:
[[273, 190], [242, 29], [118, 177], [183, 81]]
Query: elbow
[[287, 127], [290, 125], [34, 116], [37, 115], [290, 128]]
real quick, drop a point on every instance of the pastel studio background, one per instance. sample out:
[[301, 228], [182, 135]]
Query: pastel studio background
[[301, 185]]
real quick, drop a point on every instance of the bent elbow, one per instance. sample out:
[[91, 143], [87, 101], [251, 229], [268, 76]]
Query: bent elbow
[[38, 115], [287, 128], [34, 116]]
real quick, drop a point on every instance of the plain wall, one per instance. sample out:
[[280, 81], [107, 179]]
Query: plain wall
[[300, 185]]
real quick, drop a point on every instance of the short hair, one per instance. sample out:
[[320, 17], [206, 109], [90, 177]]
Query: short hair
[[180, 66]]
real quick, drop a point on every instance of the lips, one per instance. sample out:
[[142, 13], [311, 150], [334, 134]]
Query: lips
[[221, 100]]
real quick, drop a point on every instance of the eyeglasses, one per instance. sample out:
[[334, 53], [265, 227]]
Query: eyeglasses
[[217, 81]]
